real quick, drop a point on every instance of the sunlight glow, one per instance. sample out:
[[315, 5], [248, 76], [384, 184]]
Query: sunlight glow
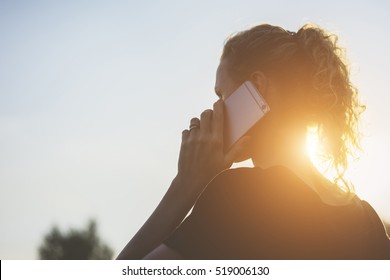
[[312, 145], [313, 151]]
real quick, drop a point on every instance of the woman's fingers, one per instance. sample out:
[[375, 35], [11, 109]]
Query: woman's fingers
[[205, 121], [194, 123], [194, 127], [209, 126], [202, 155], [185, 134], [210, 122]]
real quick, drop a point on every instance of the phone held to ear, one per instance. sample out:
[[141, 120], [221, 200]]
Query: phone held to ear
[[243, 109]]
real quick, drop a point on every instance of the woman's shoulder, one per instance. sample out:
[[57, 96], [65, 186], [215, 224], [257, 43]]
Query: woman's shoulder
[[276, 180], [275, 191], [254, 175], [269, 188]]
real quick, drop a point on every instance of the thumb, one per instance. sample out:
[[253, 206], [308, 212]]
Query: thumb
[[236, 150]]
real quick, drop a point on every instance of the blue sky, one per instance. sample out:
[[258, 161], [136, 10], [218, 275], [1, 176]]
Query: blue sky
[[94, 96]]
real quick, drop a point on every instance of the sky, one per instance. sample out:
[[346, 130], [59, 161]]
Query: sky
[[94, 96]]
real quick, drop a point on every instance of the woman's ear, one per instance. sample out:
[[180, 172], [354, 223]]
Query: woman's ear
[[260, 81]]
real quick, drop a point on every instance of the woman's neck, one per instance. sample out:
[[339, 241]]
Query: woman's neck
[[278, 150], [293, 157]]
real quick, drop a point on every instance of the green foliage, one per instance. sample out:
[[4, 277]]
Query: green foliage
[[75, 245]]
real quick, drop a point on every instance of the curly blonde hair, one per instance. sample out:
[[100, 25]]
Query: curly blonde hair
[[311, 62]]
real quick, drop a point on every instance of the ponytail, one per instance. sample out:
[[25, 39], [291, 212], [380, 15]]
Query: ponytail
[[335, 107], [314, 59]]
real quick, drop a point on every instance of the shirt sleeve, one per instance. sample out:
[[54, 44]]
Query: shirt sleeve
[[206, 231], [379, 237]]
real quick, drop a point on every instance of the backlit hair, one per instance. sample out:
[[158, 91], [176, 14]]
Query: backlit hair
[[311, 62]]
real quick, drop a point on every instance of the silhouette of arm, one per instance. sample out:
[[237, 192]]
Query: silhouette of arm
[[166, 217], [201, 158]]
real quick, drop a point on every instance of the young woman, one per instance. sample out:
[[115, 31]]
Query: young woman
[[283, 208]]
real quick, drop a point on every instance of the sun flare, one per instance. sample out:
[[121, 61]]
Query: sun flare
[[312, 145], [313, 151]]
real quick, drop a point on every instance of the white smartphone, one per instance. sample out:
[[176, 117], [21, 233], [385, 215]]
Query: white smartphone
[[243, 109]]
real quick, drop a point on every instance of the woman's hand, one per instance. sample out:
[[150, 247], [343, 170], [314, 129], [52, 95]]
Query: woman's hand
[[202, 154], [201, 158]]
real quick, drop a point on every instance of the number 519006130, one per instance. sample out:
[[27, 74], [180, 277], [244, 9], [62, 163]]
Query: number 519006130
[[231, 270]]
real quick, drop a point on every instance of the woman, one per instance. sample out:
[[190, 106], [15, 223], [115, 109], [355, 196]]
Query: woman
[[283, 208]]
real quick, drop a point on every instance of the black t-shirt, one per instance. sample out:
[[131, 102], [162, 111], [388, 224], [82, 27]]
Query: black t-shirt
[[250, 213]]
